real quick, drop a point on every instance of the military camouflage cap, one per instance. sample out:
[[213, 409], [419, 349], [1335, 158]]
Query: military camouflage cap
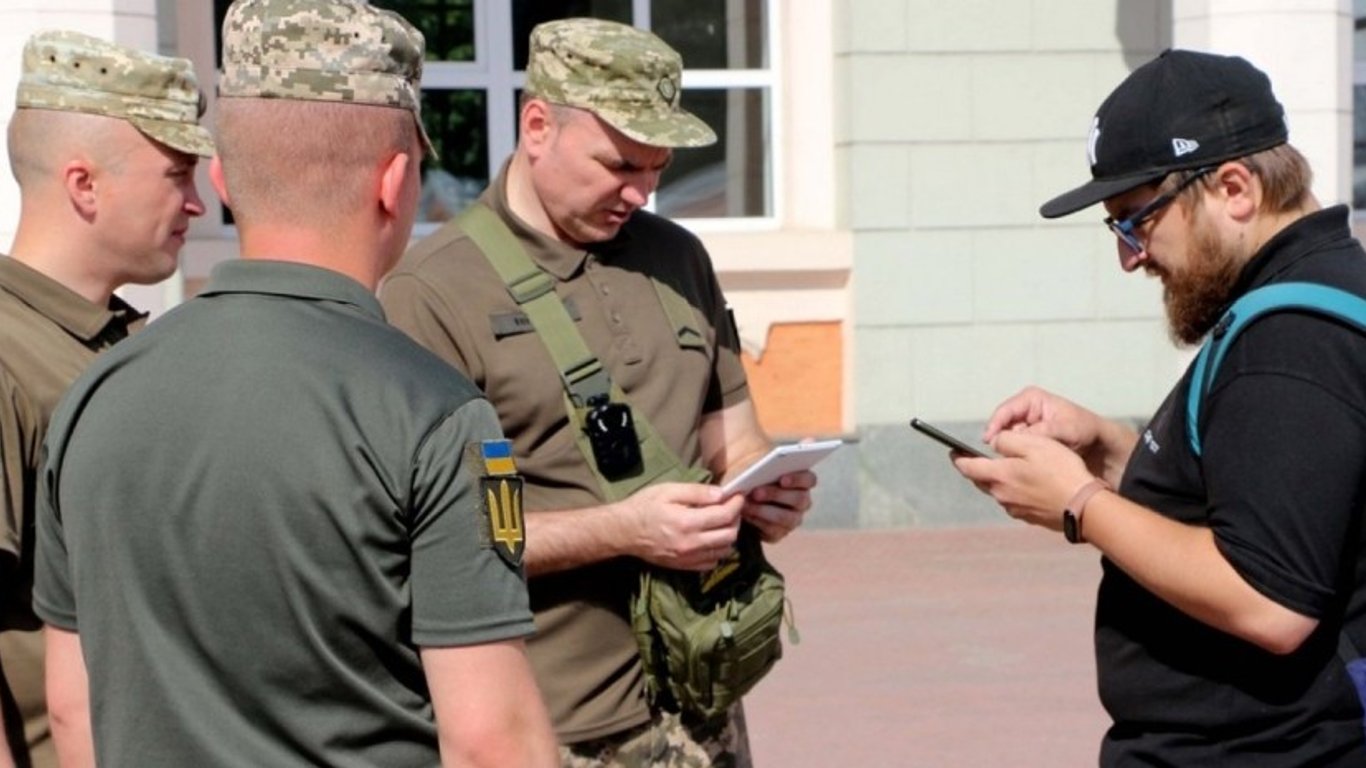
[[626, 76], [323, 50], [72, 72]]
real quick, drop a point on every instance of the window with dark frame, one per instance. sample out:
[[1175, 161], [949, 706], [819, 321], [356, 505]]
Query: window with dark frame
[[726, 39]]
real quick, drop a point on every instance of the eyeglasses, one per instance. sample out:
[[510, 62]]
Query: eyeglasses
[[1126, 229]]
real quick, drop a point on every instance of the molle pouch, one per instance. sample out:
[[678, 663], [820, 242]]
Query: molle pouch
[[707, 639]]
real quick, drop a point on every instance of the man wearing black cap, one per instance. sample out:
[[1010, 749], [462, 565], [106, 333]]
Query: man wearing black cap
[[1233, 602]]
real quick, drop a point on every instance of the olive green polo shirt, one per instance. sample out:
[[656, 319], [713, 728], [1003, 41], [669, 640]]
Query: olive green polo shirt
[[445, 294], [255, 513], [48, 335]]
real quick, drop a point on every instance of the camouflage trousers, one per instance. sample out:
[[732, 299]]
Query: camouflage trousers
[[667, 741]]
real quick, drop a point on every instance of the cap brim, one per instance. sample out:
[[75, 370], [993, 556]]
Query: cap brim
[[1095, 191], [190, 139], [675, 130]]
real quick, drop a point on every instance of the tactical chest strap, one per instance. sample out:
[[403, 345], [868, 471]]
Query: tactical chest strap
[[584, 377]]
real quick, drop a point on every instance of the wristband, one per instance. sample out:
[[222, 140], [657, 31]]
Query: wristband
[[1071, 514]]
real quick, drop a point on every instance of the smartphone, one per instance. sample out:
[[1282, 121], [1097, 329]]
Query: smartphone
[[958, 446], [782, 460]]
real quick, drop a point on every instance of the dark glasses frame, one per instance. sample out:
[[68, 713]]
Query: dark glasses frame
[[1126, 229]]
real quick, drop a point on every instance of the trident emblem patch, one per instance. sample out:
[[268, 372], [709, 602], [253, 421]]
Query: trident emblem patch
[[500, 490]]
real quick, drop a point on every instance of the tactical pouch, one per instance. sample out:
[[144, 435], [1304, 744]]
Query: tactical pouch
[[707, 639]]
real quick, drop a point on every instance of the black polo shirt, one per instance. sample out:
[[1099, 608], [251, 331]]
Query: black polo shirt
[[1282, 483]]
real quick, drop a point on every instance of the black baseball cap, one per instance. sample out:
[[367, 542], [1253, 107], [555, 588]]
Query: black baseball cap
[[1182, 110]]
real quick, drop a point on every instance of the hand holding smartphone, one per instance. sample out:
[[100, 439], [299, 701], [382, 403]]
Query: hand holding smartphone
[[956, 445]]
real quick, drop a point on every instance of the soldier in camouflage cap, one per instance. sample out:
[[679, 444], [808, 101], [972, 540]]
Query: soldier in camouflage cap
[[626, 76], [73, 72], [103, 143], [323, 50], [599, 123]]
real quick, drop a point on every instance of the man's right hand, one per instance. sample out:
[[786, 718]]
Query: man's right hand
[[1040, 412], [684, 526], [1103, 444]]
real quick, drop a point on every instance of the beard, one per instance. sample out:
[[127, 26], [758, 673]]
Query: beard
[[1197, 296]]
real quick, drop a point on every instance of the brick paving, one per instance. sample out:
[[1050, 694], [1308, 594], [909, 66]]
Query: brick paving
[[933, 647]]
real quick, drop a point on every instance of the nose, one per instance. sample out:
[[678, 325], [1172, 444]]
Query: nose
[[194, 205], [638, 188], [1129, 259]]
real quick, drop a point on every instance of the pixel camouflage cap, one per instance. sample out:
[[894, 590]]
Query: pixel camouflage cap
[[323, 50], [626, 76], [71, 72]]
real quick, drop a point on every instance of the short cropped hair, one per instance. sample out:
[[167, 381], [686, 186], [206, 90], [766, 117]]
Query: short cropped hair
[[307, 162]]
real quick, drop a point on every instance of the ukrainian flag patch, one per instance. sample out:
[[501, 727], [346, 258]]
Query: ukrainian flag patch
[[500, 497], [498, 457]]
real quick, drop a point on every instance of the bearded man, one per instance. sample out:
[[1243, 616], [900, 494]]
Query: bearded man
[[1232, 605]]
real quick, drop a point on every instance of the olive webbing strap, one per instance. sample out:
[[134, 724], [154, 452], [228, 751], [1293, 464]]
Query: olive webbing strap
[[582, 374]]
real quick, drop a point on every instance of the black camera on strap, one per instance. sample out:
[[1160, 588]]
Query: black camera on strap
[[612, 435]]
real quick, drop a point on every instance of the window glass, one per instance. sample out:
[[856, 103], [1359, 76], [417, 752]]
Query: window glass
[[448, 25], [723, 43], [730, 177], [708, 37], [457, 122]]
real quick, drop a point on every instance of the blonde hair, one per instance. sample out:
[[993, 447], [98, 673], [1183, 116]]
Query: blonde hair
[[307, 162], [40, 141]]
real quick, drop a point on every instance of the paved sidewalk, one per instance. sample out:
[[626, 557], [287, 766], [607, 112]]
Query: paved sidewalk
[[961, 647]]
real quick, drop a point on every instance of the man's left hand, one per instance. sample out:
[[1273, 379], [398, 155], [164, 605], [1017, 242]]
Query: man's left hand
[[778, 508]]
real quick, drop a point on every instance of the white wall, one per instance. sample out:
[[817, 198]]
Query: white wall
[[1305, 47], [962, 118]]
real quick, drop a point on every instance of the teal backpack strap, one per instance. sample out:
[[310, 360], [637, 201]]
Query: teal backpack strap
[[1302, 297], [584, 377], [1305, 297]]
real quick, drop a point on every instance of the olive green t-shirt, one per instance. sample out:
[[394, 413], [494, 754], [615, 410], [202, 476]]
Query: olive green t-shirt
[[48, 335], [255, 513], [445, 294]]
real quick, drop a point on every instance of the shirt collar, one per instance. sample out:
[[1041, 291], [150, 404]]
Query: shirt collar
[[1287, 247], [76, 315], [291, 279], [559, 259]]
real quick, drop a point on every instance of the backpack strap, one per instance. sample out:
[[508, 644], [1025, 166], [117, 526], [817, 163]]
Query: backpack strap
[[1301, 297], [584, 377], [1304, 297]]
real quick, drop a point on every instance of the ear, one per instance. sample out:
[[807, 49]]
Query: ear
[[537, 125], [220, 185], [1239, 190], [78, 178], [391, 182]]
